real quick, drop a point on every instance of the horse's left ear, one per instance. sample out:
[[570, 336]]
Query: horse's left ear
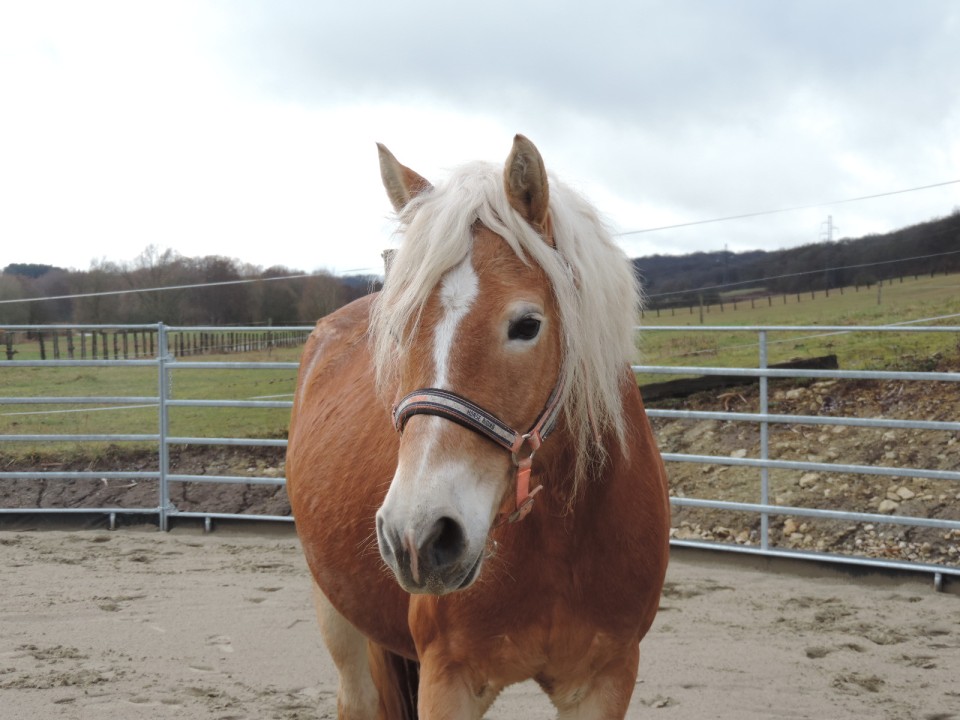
[[525, 180], [402, 183]]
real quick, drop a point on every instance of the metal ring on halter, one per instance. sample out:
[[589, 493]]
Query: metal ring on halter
[[532, 440]]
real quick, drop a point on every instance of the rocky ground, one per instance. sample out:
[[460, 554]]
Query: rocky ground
[[897, 495], [903, 495]]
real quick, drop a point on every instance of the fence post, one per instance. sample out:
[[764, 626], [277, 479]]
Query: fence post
[[764, 446], [163, 385]]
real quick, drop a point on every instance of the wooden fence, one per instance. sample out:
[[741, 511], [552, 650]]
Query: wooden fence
[[126, 344]]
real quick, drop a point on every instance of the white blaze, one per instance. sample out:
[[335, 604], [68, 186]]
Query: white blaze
[[457, 293], [458, 290], [428, 484]]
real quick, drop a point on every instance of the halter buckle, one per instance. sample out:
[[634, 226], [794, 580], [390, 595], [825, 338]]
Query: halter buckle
[[524, 506]]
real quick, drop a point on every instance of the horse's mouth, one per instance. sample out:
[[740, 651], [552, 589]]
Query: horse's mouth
[[436, 584], [445, 562], [473, 573]]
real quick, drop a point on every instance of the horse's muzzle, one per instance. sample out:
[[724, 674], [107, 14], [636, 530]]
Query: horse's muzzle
[[432, 559]]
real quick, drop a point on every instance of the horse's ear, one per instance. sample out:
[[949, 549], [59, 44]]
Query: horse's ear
[[402, 183], [525, 180]]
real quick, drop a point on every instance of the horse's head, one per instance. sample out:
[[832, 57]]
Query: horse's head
[[468, 310]]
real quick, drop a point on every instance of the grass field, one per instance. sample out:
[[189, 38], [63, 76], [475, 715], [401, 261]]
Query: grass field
[[143, 418], [899, 302]]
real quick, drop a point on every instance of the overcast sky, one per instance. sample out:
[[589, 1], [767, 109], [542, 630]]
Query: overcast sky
[[248, 129]]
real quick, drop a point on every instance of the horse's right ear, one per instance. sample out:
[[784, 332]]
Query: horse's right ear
[[402, 183]]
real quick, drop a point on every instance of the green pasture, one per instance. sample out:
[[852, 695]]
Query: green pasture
[[893, 303], [143, 418]]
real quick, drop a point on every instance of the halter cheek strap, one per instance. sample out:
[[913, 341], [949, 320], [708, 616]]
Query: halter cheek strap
[[522, 446]]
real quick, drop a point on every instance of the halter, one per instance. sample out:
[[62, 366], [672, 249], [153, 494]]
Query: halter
[[522, 446]]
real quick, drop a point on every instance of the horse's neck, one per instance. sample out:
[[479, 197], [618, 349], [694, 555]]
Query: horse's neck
[[618, 462]]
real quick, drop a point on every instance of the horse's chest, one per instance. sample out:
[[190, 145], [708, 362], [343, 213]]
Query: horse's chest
[[560, 650], [560, 623]]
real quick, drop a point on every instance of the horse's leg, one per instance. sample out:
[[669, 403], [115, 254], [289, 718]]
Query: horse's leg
[[449, 694], [607, 697], [357, 696]]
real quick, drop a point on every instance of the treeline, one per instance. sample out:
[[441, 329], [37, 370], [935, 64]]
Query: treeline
[[686, 280], [271, 297], [265, 297]]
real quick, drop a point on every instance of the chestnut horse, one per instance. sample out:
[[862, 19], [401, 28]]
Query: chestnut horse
[[452, 554]]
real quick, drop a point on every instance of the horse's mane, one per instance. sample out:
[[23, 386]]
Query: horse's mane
[[594, 284]]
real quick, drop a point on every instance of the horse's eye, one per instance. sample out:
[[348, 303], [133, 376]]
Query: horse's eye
[[524, 329]]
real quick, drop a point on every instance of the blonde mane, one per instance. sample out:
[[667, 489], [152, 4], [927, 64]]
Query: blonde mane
[[594, 284]]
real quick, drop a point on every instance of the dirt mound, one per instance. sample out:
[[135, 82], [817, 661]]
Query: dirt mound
[[887, 495], [138, 493]]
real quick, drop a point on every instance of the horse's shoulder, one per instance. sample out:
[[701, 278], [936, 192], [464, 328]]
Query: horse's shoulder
[[337, 336]]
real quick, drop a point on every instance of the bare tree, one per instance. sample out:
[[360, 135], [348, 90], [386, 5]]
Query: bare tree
[[321, 295]]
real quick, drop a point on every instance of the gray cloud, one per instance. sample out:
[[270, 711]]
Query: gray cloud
[[720, 60], [206, 113], [720, 100]]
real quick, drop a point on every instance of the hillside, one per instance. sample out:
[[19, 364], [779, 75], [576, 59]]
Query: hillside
[[925, 248]]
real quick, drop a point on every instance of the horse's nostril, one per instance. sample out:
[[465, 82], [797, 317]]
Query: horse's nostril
[[446, 542], [386, 547]]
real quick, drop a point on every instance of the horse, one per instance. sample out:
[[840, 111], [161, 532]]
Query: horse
[[452, 554]]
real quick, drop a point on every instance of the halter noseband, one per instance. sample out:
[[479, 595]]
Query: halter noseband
[[454, 407]]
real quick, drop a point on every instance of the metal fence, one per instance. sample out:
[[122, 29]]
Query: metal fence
[[763, 507], [166, 365]]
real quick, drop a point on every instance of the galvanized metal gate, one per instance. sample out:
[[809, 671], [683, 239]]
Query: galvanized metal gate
[[166, 366]]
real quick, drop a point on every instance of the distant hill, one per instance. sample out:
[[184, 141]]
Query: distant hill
[[681, 280], [29, 270]]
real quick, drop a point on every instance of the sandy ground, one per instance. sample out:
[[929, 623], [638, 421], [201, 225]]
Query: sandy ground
[[138, 623]]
